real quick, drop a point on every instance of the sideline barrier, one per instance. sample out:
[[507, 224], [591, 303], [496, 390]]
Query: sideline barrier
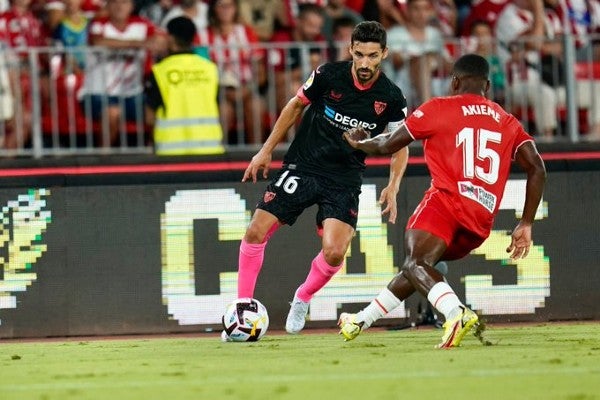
[[132, 251], [47, 91]]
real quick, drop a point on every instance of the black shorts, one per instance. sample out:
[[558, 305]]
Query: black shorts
[[291, 192]]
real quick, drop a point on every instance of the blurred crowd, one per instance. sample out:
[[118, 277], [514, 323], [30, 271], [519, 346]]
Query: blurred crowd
[[257, 47]]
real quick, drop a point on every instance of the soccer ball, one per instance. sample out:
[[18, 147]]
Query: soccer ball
[[245, 320]]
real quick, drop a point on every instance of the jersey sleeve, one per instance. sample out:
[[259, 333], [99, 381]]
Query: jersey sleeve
[[521, 136], [315, 85], [398, 114], [425, 120]]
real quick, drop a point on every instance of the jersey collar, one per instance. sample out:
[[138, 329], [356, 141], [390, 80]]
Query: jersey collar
[[360, 86]]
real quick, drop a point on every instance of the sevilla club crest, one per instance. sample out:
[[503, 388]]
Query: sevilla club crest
[[379, 107], [268, 197]]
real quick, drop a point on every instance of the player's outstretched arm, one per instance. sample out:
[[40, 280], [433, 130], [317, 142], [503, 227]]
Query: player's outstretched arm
[[529, 159], [388, 143], [390, 192], [262, 160]]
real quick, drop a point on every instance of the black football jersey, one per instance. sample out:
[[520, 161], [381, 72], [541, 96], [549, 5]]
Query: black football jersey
[[337, 104]]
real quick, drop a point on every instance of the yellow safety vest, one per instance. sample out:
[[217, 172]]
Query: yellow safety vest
[[188, 122]]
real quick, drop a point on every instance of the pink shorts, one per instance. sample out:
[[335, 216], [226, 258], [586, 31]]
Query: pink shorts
[[437, 215]]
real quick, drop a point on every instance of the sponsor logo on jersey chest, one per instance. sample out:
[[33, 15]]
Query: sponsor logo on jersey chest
[[344, 121]]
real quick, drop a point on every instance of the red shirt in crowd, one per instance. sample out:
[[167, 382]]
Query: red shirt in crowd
[[19, 30], [233, 53], [484, 10]]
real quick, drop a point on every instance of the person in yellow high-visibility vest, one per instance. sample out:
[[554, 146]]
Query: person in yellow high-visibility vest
[[181, 97]]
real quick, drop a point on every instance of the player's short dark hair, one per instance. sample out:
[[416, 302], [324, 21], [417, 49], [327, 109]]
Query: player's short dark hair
[[472, 65], [370, 31], [183, 30]]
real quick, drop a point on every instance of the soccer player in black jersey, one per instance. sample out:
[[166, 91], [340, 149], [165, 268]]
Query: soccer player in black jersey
[[320, 167]]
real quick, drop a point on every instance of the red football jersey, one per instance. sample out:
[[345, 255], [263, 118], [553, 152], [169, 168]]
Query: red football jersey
[[235, 52], [469, 144], [486, 10], [20, 30]]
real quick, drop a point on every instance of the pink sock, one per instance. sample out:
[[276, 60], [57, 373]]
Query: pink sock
[[320, 273], [250, 263]]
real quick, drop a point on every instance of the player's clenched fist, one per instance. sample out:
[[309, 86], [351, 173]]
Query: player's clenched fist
[[354, 135], [358, 133]]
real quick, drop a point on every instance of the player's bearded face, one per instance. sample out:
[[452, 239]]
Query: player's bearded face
[[367, 59]]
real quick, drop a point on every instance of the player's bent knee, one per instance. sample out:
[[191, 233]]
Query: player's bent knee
[[334, 256], [412, 267], [254, 235]]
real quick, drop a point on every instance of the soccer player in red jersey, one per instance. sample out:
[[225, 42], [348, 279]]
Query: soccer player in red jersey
[[469, 143]]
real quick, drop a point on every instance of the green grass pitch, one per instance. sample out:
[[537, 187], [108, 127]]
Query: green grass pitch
[[545, 361]]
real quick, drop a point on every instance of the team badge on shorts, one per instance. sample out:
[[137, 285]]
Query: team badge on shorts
[[379, 107], [268, 197]]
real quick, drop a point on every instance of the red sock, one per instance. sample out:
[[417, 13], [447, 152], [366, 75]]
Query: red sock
[[320, 273]]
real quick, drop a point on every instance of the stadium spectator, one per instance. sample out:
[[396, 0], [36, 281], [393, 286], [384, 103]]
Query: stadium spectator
[[535, 73], [292, 8], [356, 5], [156, 11], [234, 48], [445, 17], [583, 22], [20, 29], [72, 31], [583, 18], [53, 12], [388, 12], [458, 210], [463, 8], [417, 53], [113, 83], [93, 8], [553, 51], [319, 168], [339, 46], [483, 10], [485, 45], [263, 16], [337, 9], [63, 120], [196, 10], [181, 97], [291, 67], [7, 105], [520, 34]]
